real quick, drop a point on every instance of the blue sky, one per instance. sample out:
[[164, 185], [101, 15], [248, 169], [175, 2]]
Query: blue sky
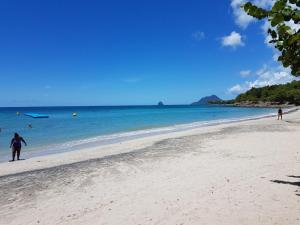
[[64, 52]]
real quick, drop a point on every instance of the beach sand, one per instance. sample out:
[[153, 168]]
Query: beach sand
[[239, 173]]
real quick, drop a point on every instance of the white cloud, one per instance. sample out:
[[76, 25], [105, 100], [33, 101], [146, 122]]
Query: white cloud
[[265, 76], [264, 3], [199, 35], [292, 25], [236, 89], [245, 73], [276, 55], [233, 40], [269, 76], [265, 27], [294, 6], [241, 18]]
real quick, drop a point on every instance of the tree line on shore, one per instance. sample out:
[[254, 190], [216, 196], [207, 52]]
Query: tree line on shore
[[275, 94], [279, 94]]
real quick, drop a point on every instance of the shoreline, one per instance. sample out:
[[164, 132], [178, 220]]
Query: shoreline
[[100, 148], [258, 105], [58, 142], [237, 173], [114, 138]]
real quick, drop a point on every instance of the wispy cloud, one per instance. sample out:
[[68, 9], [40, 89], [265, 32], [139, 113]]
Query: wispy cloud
[[233, 40], [236, 89], [245, 73], [199, 35], [265, 76]]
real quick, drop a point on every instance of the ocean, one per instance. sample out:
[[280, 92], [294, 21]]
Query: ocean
[[100, 125]]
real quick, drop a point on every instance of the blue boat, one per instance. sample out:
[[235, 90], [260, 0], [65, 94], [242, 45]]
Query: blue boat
[[36, 115]]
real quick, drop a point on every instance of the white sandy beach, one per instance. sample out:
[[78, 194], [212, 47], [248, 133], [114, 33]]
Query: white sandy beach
[[239, 173]]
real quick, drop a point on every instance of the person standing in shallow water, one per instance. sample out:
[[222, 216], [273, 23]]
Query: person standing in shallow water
[[279, 113], [16, 145]]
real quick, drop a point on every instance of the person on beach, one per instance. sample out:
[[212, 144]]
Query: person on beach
[[16, 145], [279, 113]]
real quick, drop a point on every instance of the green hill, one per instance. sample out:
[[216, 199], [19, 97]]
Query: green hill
[[276, 94]]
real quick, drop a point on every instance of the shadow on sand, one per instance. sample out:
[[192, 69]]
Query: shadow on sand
[[289, 182], [16, 160], [294, 176]]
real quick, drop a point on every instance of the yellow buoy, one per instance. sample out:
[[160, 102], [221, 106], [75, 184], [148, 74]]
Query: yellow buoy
[[74, 114]]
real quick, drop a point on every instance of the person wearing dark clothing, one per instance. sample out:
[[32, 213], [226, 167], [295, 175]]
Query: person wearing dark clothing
[[279, 113], [16, 145]]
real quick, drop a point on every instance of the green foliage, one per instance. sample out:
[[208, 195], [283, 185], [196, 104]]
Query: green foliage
[[222, 102], [278, 94], [284, 38]]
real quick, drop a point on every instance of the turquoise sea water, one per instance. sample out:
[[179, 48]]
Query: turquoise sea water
[[101, 125]]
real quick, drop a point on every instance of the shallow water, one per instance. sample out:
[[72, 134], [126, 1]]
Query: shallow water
[[102, 125]]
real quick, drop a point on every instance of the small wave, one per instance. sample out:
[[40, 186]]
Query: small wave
[[125, 136]]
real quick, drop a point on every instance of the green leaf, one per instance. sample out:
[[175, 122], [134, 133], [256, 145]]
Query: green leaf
[[279, 5], [277, 19], [295, 38]]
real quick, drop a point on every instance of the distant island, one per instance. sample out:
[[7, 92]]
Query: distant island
[[208, 100], [160, 103]]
